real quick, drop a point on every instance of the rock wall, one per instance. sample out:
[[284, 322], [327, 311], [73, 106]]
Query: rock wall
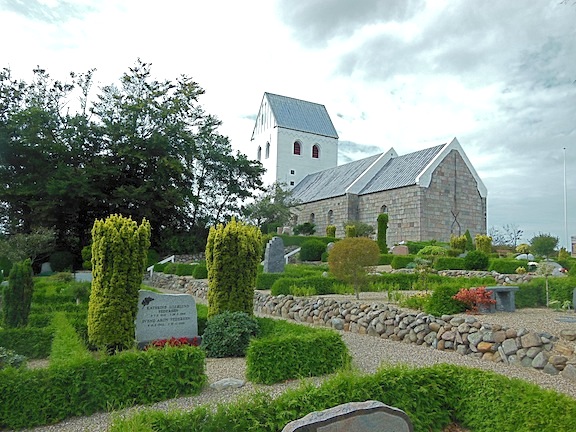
[[553, 354]]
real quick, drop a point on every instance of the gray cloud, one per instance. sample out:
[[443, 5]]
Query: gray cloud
[[35, 10], [315, 22]]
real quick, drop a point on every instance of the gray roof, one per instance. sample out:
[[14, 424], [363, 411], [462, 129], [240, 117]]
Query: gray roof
[[401, 171], [331, 182], [301, 115], [398, 172]]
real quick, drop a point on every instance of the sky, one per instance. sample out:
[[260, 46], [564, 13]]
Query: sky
[[409, 74]]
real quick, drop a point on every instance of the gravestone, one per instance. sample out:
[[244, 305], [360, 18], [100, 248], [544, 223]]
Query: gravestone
[[505, 299], [46, 268], [400, 250], [274, 256], [163, 316], [369, 416]]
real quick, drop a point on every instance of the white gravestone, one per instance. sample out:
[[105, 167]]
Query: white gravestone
[[164, 316]]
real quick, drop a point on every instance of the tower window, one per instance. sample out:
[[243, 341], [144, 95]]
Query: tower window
[[315, 151], [297, 148]]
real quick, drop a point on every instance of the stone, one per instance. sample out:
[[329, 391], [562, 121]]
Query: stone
[[509, 347], [227, 383], [400, 250], [274, 256], [569, 372], [369, 416], [530, 340], [558, 361], [475, 338], [499, 336], [533, 352], [164, 316], [569, 335], [539, 361], [485, 346], [550, 369], [564, 349], [46, 268]]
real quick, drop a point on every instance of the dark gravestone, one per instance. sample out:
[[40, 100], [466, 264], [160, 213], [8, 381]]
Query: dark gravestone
[[505, 299], [164, 316], [369, 416], [274, 256]]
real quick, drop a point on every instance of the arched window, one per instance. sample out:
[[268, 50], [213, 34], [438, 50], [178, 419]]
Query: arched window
[[259, 153], [315, 151], [383, 209], [311, 217], [297, 148], [267, 150], [330, 217]]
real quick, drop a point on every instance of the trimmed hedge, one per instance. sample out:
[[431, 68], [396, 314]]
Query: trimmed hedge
[[401, 261], [298, 240], [320, 284], [34, 343], [200, 271], [42, 396], [449, 263], [385, 259], [279, 358], [506, 266], [433, 397]]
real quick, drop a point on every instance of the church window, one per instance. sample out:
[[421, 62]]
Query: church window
[[267, 150], [330, 217], [259, 153], [383, 209], [292, 172], [312, 217], [297, 148], [292, 183], [315, 151]]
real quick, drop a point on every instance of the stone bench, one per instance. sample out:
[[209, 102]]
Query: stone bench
[[504, 296]]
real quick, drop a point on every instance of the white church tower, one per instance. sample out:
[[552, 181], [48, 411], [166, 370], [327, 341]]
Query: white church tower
[[293, 138]]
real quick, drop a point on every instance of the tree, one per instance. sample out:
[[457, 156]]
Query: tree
[[382, 228], [233, 253], [19, 247], [119, 251], [543, 244], [361, 229], [469, 242], [17, 296], [512, 234], [350, 258], [483, 243], [273, 206]]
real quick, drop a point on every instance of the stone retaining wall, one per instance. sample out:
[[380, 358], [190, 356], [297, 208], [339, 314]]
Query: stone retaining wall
[[553, 354]]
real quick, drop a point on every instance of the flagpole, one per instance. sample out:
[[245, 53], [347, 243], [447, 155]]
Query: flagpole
[[566, 206]]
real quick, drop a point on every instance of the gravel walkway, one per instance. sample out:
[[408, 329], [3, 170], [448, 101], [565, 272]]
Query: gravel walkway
[[368, 354]]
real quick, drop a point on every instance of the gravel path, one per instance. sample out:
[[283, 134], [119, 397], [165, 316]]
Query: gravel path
[[369, 353]]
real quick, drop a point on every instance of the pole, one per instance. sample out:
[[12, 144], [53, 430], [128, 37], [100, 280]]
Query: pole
[[566, 206]]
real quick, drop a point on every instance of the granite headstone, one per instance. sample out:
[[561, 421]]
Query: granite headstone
[[163, 316], [369, 416], [274, 256]]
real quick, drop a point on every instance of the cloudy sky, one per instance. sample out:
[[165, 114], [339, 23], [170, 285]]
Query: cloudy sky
[[498, 75]]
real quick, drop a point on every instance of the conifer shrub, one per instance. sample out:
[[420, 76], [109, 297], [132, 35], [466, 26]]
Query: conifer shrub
[[483, 243], [469, 241], [229, 333], [331, 231], [312, 250], [476, 260], [233, 253], [382, 229], [458, 242], [350, 231], [119, 250], [442, 301], [17, 296], [200, 271]]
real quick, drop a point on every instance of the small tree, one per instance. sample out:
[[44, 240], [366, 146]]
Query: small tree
[[382, 229], [119, 250], [523, 248], [349, 258], [233, 253], [483, 243], [543, 244], [545, 269], [17, 296], [331, 231], [307, 228], [458, 242]]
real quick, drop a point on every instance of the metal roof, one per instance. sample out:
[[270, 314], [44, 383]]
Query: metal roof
[[301, 115], [401, 171], [331, 182], [398, 172]]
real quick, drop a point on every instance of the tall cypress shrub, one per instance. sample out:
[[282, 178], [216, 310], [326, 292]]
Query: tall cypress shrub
[[382, 228], [17, 296], [119, 250], [233, 253]]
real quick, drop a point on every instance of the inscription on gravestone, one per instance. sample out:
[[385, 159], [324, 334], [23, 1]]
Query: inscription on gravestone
[[369, 416], [163, 316]]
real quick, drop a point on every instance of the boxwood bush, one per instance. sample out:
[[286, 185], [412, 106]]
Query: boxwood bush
[[311, 250]]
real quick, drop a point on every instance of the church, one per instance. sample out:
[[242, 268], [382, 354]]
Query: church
[[428, 194]]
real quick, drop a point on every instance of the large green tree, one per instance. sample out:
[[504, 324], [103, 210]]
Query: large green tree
[[272, 207], [543, 244]]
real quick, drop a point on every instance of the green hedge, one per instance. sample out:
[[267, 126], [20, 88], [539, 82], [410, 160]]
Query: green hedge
[[401, 261], [200, 271], [319, 284], [298, 240], [278, 358], [530, 296], [43, 396], [560, 288], [449, 263], [506, 266], [33, 343], [265, 281], [385, 259], [432, 397]]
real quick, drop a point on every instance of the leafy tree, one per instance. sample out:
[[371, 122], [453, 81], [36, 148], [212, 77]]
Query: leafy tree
[[543, 244], [307, 228], [233, 253], [523, 248], [17, 296], [119, 251], [273, 206], [362, 229], [382, 228], [19, 247], [349, 258]]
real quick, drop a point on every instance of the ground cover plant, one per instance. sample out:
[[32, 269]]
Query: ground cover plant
[[433, 397]]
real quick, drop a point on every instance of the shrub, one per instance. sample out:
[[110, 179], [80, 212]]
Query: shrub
[[233, 253], [17, 295], [432, 251], [312, 250], [185, 269], [67, 347], [475, 298], [307, 228], [119, 248], [414, 247], [331, 231], [483, 243], [442, 302], [169, 268], [458, 242], [530, 296], [385, 259], [469, 242], [476, 260], [401, 261], [87, 257], [350, 231], [34, 343], [200, 271], [382, 229], [506, 266], [265, 281], [61, 261], [318, 285], [228, 334], [9, 358], [361, 229], [449, 263], [349, 258]]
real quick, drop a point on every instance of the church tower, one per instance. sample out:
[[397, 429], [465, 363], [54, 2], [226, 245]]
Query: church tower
[[293, 138]]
